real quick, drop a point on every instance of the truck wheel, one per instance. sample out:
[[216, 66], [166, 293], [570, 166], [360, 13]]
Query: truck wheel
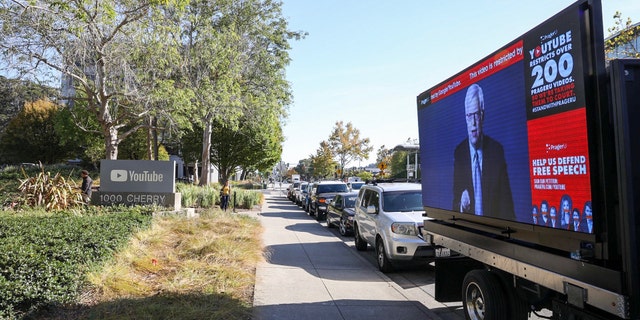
[[361, 245], [483, 296], [383, 262]]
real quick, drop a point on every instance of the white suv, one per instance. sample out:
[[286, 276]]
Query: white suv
[[389, 218]]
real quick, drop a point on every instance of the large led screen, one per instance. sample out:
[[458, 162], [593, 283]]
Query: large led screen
[[507, 137]]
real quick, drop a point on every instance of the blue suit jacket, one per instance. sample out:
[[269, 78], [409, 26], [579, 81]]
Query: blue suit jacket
[[496, 192]]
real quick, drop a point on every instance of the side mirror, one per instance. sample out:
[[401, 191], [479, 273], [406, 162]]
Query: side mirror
[[371, 209]]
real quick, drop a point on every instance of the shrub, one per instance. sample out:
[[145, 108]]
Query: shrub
[[209, 196], [196, 196], [247, 199], [43, 258]]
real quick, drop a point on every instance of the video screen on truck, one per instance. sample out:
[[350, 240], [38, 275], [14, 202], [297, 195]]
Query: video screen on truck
[[507, 137]]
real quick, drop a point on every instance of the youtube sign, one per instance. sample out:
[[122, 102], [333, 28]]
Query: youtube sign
[[137, 176]]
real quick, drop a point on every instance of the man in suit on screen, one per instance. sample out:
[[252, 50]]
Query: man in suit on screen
[[480, 180]]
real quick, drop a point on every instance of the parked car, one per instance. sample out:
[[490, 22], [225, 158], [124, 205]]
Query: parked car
[[322, 193], [388, 216], [355, 185], [340, 212], [306, 198], [292, 189], [300, 193]]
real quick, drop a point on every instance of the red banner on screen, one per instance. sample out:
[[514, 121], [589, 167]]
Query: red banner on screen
[[484, 69], [559, 163]]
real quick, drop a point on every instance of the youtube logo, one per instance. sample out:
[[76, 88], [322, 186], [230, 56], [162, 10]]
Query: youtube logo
[[119, 175]]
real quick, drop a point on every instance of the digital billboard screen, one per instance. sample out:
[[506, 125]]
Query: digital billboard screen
[[507, 137]]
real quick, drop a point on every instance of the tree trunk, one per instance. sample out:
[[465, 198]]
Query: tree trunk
[[195, 173], [111, 144], [149, 143], [206, 152], [155, 139]]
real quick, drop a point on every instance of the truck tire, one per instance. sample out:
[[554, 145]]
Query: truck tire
[[384, 264], [361, 245], [483, 297]]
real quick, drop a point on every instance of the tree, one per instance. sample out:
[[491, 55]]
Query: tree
[[322, 162], [235, 53], [398, 165], [77, 128], [623, 41], [256, 145], [346, 145], [365, 175], [15, 93], [30, 136], [305, 169], [97, 47], [383, 155]]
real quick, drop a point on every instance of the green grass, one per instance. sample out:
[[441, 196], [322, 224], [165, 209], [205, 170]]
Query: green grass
[[179, 268], [85, 263]]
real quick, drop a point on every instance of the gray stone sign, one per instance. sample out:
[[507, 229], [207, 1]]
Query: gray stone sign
[[137, 176], [137, 182]]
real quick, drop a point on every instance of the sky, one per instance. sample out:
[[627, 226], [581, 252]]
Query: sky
[[365, 62]]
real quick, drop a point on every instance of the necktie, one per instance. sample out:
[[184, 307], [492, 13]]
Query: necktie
[[477, 184]]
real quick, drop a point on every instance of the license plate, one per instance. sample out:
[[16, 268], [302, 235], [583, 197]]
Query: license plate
[[443, 252]]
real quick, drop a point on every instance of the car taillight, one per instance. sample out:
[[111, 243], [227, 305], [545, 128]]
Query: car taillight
[[322, 200]]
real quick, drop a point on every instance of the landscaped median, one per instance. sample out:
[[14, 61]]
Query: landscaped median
[[128, 265], [62, 259]]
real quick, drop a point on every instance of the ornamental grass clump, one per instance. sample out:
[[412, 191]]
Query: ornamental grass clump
[[50, 192]]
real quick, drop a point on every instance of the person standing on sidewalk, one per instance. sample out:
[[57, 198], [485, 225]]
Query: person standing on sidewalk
[[87, 183], [224, 196]]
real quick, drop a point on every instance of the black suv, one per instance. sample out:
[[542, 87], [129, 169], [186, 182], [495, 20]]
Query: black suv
[[321, 194]]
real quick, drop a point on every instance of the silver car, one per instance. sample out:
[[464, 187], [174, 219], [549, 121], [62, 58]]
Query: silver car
[[389, 218]]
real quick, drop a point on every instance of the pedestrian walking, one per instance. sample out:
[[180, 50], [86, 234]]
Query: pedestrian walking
[[224, 196]]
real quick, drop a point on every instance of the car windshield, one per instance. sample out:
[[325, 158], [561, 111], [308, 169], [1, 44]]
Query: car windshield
[[350, 202], [332, 188], [402, 201], [356, 185]]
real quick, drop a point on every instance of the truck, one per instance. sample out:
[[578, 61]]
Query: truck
[[530, 172]]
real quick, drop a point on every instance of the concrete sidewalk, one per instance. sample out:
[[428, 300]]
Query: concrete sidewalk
[[309, 273]]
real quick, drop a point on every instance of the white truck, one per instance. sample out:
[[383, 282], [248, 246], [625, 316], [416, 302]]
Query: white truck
[[529, 162]]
